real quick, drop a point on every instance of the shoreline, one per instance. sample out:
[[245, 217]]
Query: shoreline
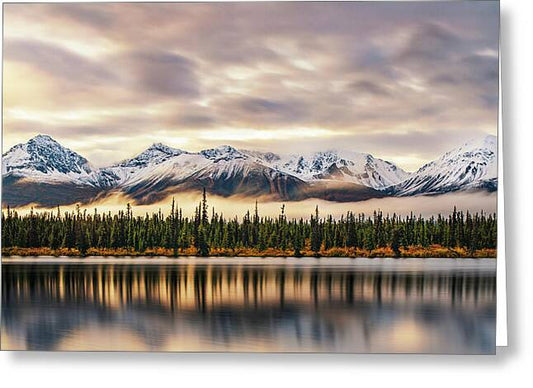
[[220, 258], [434, 251], [7, 258], [360, 263]]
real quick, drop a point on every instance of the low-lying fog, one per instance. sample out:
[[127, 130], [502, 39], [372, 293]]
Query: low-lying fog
[[230, 207]]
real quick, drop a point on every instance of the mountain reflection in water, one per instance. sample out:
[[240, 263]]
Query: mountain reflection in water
[[290, 305]]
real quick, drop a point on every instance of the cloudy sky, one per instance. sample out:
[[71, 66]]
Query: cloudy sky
[[403, 81]]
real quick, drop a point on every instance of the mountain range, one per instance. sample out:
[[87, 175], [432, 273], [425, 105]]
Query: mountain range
[[44, 172]]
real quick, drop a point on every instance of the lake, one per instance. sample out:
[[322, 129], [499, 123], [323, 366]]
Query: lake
[[250, 304]]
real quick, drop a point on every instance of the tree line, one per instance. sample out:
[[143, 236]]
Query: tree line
[[207, 230]]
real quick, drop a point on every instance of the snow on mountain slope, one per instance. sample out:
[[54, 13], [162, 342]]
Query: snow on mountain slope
[[157, 153], [178, 165], [43, 170], [359, 168], [177, 168], [44, 159], [147, 164], [222, 170], [161, 162], [470, 166], [223, 152]]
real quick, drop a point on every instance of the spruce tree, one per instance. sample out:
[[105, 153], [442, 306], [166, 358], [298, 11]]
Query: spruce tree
[[395, 243]]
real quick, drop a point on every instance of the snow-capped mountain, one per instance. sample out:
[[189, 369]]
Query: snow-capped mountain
[[44, 159], [223, 170], [470, 166], [359, 168], [136, 168], [42, 171]]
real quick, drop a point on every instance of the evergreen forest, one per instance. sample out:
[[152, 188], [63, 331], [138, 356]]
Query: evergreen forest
[[206, 233]]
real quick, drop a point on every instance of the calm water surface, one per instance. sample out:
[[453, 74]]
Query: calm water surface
[[226, 304]]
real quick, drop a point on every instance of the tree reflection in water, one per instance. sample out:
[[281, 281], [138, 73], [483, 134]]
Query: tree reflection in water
[[236, 306]]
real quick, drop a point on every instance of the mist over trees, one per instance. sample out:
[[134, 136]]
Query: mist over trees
[[208, 232]]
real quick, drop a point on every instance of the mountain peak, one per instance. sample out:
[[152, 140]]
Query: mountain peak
[[487, 141], [469, 166], [155, 154], [223, 152], [225, 148], [157, 146], [347, 166], [164, 148], [44, 155], [43, 138], [43, 141]]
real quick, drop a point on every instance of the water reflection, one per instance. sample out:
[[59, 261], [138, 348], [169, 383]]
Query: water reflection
[[186, 306]]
